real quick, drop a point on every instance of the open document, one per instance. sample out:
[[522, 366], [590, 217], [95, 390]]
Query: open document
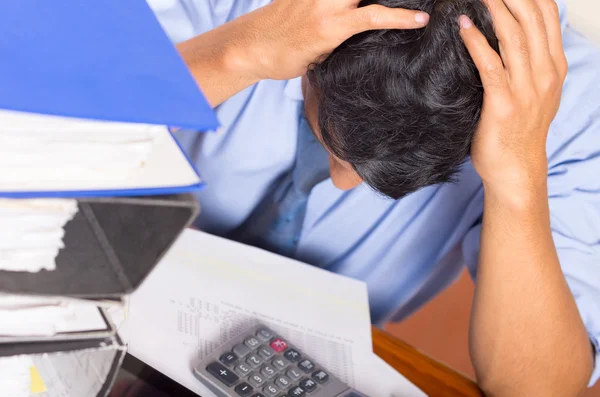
[[207, 290]]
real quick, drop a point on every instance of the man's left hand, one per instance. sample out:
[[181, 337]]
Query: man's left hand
[[522, 90]]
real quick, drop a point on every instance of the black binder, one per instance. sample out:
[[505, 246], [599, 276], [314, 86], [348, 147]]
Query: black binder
[[111, 245]]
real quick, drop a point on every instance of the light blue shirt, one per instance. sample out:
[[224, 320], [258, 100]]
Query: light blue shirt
[[408, 250]]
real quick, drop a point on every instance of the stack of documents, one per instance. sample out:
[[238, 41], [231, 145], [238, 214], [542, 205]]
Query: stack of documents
[[32, 231], [94, 188]]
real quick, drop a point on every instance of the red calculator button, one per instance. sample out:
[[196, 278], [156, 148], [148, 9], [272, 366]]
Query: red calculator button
[[279, 345]]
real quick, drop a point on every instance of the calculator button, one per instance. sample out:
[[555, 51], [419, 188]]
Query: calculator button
[[254, 361], [228, 359], [243, 369], [252, 343], [271, 390], [268, 371], [292, 355], [293, 374], [256, 379], [222, 373], [306, 365], [266, 352], [283, 382], [297, 392], [309, 385], [320, 376], [279, 345], [280, 363], [244, 389], [264, 334], [241, 350], [258, 395]]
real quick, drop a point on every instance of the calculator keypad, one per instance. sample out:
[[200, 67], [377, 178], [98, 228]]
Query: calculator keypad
[[265, 365]]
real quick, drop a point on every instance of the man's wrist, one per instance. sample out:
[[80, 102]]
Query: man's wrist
[[517, 199]]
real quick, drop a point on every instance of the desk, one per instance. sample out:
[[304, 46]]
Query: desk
[[434, 378]]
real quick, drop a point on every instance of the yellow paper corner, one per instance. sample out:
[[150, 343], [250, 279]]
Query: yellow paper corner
[[37, 383]]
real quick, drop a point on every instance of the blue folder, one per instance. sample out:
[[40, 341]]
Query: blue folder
[[105, 60], [95, 59]]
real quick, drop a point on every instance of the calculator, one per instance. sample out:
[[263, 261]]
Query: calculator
[[260, 363]]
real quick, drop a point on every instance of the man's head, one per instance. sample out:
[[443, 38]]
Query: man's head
[[399, 108]]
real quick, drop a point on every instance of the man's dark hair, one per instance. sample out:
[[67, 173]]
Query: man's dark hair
[[402, 106]]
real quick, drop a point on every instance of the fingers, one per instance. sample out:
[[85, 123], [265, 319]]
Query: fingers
[[549, 10], [488, 62], [532, 21], [512, 41], [376, 16]]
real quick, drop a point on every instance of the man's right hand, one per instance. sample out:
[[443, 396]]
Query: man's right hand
[[289, 35], [280, 41]]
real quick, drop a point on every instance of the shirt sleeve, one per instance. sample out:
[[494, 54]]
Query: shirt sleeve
[[184, 19], [573, 187]]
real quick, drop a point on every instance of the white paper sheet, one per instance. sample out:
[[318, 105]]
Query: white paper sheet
[[32, 231], [207, 290], [378, 379], [15, 378], [73, 374], [88, 155], [23, 316]]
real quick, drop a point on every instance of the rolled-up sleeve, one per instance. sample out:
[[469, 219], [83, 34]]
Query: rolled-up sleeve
[[574, 194], [573, 186], [184, 19]]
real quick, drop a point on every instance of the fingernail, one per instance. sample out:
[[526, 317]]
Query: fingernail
[[465, 22], [422, 18]]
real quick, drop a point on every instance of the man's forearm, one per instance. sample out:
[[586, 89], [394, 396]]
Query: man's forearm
[[218, 61], [527, 337]]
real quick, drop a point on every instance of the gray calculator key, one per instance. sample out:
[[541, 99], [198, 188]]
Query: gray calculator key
[[266, 352], [228, 359], [297, 392], [258, 395], [243, 369], [320, 376], [254, 360], [222, 373], [241, 350], [280, 363], [271, 390], [257, 379], [252, 343], [244, 389], [309, 385], [306, 365], [283, 381], [292, 355], [264, 334], [293, 374], [268, 371]]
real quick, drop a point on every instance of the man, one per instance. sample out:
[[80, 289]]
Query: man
[[524, 210]]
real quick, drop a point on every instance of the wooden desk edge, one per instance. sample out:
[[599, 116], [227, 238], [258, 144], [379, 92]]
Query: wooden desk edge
[[434, 378]]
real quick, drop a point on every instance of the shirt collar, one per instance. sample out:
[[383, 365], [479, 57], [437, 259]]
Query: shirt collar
[[293, 89]]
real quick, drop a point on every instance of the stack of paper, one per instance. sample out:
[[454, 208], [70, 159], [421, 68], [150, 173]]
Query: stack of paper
[[93, 186], [31, 232], [43, 150], [49, 156], [223, 288], [32, 316]]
